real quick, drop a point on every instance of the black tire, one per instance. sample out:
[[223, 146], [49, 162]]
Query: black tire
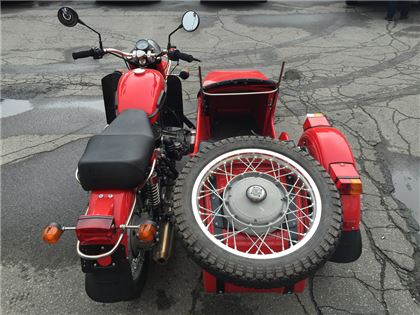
[[140, 281], [257, 273]]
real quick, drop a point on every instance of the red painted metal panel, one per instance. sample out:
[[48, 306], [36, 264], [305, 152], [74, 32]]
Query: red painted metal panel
[[332, 150], [351, 212], [141, 91], [210, 286], [115, 203], [327, 145], [284, 136], [209, 283]]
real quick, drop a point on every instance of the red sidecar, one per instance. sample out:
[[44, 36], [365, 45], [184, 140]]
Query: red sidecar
[[235, 163]]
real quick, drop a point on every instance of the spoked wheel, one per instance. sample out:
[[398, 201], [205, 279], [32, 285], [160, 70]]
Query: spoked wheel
[[257, 212]]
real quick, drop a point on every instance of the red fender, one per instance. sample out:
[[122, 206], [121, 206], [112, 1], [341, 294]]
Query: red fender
[[332, 150], [107, 204]]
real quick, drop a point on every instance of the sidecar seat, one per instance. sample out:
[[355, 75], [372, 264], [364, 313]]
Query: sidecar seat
[[118, 157]]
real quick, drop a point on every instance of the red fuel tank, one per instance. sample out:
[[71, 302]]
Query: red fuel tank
[[141, 89]]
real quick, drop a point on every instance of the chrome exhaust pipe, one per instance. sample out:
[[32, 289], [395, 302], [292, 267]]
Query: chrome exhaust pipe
[[163, 249]]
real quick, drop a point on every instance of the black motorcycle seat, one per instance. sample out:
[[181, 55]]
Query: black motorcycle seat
[[118, 157]]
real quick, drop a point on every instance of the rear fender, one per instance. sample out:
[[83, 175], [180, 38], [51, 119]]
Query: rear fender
[[116, 205], [108, 279], [332, 150]]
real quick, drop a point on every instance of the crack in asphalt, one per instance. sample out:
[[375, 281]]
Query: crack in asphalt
[[43, 147], [195, 294], [312, 296]]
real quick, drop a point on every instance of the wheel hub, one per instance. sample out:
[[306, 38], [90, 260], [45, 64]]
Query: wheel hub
[[255, 200], [256, 193]]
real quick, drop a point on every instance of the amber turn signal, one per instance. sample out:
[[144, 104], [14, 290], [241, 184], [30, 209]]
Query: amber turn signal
[[52, 233], [146, 232]]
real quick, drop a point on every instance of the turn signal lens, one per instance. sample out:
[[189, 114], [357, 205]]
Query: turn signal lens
[[146, 232], [349, 186], [52, 233]]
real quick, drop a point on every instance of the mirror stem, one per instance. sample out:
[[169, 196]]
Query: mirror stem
[[100, 38], [169, 37]]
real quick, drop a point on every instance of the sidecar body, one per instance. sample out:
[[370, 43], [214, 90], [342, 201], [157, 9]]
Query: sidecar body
[[243, 103]]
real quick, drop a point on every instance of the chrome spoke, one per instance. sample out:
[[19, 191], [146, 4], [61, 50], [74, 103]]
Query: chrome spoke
[[263, 242], [253, 244], [214, 215], [230, 235], [213, 190], [234, 239], [265, 237]]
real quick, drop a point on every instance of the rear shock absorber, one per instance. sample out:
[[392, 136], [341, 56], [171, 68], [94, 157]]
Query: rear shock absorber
[[153, 191]]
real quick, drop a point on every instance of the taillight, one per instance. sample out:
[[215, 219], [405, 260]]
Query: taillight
[[315, 120], [95, 229], [346, 178], [349, 186]]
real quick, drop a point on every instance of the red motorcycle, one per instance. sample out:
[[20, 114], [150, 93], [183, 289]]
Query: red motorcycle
[[257, 212]]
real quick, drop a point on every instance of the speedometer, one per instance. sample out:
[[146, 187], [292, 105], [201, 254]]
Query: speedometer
[[142, 44]]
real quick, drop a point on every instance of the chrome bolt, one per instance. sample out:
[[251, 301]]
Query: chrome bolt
[[101, 196]]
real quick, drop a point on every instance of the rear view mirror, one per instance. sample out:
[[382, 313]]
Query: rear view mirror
[[190, 21], [67, 16]]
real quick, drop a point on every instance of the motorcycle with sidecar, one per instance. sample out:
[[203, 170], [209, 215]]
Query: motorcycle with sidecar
[[257, 212]]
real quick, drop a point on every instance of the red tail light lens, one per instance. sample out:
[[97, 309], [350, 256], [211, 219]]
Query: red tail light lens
[[350, 186], [95, 229]]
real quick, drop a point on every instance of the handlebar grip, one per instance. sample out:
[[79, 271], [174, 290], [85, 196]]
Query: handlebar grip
[[83, 54], [185, 57], [177, 55]]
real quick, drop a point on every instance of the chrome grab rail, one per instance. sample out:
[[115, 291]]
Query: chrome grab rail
[[122, 227], [113, 249]]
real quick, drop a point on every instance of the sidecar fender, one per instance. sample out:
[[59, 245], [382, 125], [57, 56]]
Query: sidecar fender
[[331, 149], [325, 143]]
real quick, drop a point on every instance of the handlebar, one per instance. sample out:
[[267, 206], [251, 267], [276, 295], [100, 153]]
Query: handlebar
[[97, 53]]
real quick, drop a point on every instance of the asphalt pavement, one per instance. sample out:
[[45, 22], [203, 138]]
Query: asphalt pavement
[[361, 71]]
